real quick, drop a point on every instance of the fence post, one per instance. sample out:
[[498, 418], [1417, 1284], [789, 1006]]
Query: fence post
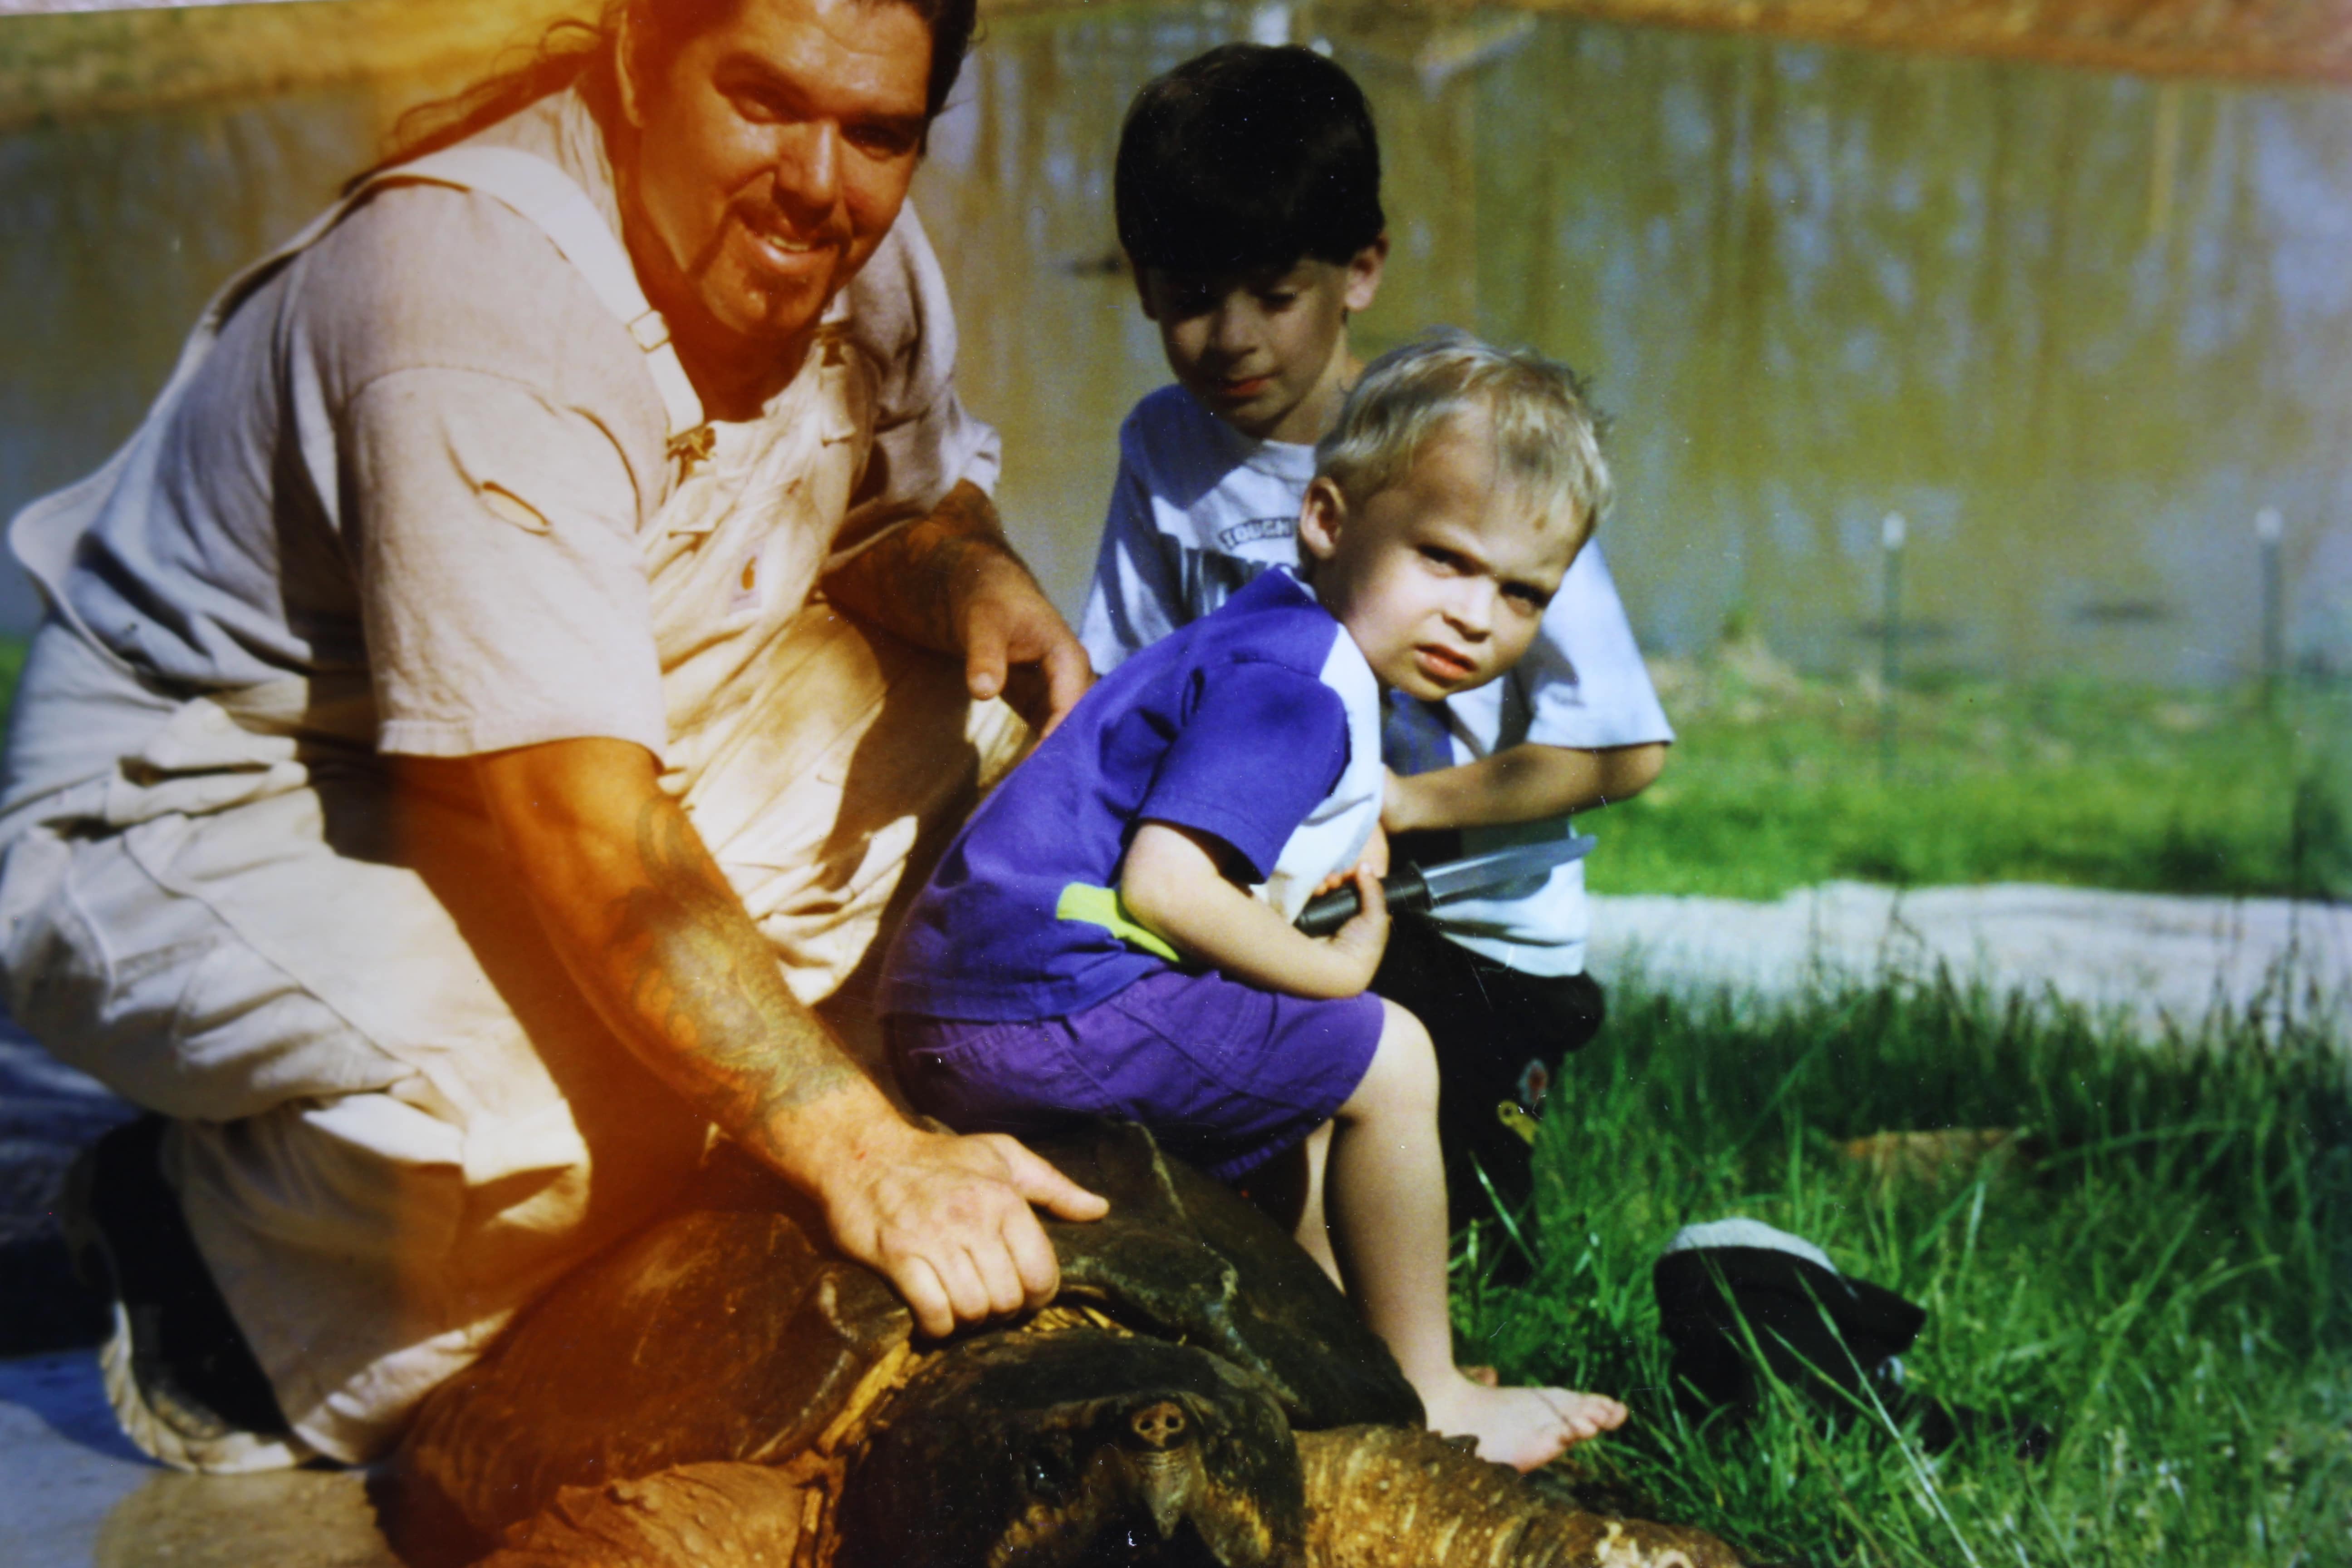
[[1890, 635], [2270, 531]]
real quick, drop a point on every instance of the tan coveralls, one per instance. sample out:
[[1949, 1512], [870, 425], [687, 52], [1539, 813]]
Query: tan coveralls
[[397, 1118]]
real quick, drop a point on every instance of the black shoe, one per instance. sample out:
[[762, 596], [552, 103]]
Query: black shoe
[[182, 1380], [1745, 1304]]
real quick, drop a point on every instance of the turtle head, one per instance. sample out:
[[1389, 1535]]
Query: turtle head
[[1076, 1449]]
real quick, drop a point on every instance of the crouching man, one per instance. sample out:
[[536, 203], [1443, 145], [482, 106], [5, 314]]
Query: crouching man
[[492, 701]]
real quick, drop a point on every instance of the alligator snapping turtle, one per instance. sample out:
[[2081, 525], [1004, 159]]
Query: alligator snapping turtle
[[720, 1391]]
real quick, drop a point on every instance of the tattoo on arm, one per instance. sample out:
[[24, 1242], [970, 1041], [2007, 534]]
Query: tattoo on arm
[[704, 980]]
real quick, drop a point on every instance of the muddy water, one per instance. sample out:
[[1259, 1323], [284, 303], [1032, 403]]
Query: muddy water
[[2077, 328]]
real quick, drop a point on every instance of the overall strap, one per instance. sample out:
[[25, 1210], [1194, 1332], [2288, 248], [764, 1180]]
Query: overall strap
[[554, 202]]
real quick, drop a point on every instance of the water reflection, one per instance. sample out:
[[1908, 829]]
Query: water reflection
[[2077, 328], [113, 234]]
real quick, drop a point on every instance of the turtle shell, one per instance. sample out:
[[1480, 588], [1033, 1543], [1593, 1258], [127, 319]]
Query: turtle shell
[[719, 1333], [724, 1332], [1182, 1256]]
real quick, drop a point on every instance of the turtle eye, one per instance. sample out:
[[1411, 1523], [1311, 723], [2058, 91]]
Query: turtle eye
[[1044, 1474]]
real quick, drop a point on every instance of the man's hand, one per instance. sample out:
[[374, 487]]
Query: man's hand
[[949, 581], [648, 928], [948, 1221], [1016, 643]]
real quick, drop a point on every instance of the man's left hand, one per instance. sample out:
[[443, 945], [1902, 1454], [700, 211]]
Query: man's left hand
[[950, 582], [1017, 644]]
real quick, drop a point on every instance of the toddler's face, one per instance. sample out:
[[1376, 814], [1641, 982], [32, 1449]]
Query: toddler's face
[[1441, 580], [1266, 351]]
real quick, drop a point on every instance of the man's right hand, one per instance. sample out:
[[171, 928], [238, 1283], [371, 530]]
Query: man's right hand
[[948, 1221], [648, 927]]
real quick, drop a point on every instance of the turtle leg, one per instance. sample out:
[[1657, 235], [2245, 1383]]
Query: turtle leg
[[717, 1515], [1396, 1497]]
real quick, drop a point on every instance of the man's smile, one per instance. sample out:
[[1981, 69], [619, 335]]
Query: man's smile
[[780, 249]]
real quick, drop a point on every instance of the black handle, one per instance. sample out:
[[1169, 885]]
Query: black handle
[[1326, 912]]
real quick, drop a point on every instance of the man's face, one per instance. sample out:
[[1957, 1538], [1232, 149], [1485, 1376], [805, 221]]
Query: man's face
[[773, 154], [1266, 351], [1441, 580]]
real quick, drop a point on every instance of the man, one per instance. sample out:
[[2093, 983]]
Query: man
[[435, 788]]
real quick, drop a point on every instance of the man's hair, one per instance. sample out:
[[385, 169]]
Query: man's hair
[[1546, 433], [585, 55], [1249, 156]]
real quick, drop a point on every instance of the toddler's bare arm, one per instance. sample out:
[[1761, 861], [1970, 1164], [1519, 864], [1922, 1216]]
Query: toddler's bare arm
[[1172, 882]]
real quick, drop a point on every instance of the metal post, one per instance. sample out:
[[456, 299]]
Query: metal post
[[2270, 531], [1890, 635]]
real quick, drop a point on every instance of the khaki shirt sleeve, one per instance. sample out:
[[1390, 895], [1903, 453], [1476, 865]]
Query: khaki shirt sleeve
[[503, 589], [494, 449]]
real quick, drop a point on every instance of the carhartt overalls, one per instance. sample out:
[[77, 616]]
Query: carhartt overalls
[[398, 1119]]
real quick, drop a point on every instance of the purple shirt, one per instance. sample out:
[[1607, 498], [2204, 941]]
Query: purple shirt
[[1232, 726]]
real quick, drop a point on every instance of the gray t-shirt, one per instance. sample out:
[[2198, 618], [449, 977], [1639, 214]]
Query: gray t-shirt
[[422, 454]]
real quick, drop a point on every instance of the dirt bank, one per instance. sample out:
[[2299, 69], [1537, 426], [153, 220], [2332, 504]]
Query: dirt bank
[[2306, 39], [70, 65], [65, 65], [2166, 963]]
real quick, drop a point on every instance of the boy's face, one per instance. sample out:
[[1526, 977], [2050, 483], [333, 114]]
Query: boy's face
[[1266, 351], [1441, 581]]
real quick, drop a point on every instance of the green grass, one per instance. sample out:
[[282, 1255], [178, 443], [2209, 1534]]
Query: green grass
[[2168, 1284], [12, 665], [1779, 781]]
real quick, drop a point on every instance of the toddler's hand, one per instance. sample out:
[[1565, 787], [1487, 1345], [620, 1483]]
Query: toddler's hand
[[1375, 860], [1359, 944]]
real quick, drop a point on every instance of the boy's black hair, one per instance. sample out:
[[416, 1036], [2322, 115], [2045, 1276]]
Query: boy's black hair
[[1249, 156]]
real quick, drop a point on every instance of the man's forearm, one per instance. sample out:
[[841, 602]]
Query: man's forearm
[[1521, 783], [702, 991], [648, 928], [653, 935]]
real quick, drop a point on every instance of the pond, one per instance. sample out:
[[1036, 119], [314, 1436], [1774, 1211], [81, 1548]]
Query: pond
[[2078, 329]]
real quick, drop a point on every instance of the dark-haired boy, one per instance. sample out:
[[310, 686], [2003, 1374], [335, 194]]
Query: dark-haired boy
[[1247, 190]]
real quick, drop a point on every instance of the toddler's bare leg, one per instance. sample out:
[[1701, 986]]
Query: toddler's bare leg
[[1387, 1202], [1314, 1230], [1289, 1189]]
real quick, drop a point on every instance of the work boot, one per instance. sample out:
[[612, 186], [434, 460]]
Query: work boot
[[184, 1383]]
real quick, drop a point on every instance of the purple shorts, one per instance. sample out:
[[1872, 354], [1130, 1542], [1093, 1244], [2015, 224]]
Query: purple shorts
[[1225, 1075]]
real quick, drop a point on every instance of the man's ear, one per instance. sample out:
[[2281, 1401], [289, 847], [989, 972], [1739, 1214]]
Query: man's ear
[[1144, 288], [625, 71], [1321, 516], [1364, 274]]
